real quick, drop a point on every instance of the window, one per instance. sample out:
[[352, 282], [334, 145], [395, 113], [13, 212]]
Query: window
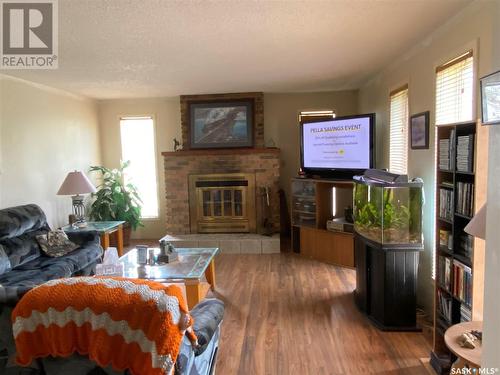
[[326, 114], [138, 146], [398, 154], [454, 90]]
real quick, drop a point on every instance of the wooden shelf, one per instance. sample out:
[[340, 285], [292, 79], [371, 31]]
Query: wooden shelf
[[465, 173], [445, 220], [307, 197], [462, 258], [445, 250], [463, 216]]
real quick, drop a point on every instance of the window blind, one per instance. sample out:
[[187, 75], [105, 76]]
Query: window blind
[[454, 90], [398, 154]]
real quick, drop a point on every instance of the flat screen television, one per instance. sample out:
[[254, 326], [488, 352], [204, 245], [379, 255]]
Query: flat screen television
[[338, 148]]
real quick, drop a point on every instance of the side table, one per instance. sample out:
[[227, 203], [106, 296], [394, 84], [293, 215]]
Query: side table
[[104, 228], [468, 358]]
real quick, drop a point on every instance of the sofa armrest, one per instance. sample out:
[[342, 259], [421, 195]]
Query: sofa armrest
[[207, 316], [83, 238]]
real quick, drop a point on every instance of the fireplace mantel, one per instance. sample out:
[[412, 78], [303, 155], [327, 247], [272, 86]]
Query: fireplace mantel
[[224, 151]]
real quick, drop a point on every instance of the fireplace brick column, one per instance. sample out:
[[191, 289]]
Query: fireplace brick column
[[264, 162]]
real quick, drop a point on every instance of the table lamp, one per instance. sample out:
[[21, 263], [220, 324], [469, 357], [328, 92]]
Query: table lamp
[[76, 184], [477, 226]]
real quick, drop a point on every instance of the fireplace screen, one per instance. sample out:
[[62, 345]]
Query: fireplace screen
[[222, 203]]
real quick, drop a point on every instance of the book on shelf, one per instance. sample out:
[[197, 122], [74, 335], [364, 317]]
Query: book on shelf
[[462, 282], [465, 198], [465, 152], [446, 204], [444, 272], [465, 313], [445, 306], [446, 148], [445, 239], [465, 245]]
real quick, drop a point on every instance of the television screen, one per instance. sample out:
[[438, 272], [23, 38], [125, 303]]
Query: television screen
[[344, 143]]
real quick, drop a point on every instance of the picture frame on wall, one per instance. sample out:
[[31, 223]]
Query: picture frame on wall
[[490, 99], [221, 124], [419, 131]]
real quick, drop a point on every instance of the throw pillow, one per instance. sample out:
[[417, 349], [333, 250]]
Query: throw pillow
[[56, 243]]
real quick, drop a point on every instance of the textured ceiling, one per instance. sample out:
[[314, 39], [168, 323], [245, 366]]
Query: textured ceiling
[[134, 48]]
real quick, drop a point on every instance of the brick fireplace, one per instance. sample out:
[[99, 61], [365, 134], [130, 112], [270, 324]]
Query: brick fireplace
[[262, 164]]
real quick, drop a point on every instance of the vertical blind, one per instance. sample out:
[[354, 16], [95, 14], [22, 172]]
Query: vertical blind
[[454, 90], [138, 147], [398, 154]]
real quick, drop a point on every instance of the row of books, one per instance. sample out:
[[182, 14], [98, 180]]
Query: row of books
[[446, 204], [446, 239], [444, 272], [445, 306], [465, 198], [465, 152], [462, 282], [446, 151]]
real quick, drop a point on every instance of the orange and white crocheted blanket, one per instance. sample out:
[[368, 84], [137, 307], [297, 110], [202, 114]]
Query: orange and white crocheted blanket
[[126, 323]]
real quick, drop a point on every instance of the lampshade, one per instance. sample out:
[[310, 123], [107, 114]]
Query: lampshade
[[477, 226], [76, 183]]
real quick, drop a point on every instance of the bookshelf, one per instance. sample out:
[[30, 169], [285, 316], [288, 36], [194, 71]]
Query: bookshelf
[[455, 206]]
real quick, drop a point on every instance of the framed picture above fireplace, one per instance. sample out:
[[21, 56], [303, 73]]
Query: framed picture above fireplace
[[221, 124]]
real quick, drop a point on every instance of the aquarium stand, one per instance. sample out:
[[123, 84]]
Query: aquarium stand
[[386, 283]]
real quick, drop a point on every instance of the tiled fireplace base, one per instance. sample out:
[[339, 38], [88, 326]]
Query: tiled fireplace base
[[229, 243]]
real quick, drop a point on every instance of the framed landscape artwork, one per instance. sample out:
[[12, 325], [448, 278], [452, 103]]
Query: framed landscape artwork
[[490, 99], [419, 131], [217, 124]]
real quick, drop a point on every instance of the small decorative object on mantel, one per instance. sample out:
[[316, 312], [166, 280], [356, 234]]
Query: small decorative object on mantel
[[490, 99], [270, 143], [221, 124], [176, 145], [419, 131]]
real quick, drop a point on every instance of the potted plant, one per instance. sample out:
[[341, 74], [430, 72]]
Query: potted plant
[[115, 200]]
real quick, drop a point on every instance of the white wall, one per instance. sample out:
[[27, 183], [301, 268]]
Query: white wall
[[470, 29], [45, 134], [166, 113], [491, 338]]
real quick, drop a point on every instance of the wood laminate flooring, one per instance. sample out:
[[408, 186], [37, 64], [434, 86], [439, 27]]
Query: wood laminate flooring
[[289, 315]]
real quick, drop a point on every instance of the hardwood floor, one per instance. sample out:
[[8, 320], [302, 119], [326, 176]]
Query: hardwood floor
[[288, 315]]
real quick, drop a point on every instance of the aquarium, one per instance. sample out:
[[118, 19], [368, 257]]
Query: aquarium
[[389, 213]]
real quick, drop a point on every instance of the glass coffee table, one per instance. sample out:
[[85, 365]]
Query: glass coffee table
[[189, 269]]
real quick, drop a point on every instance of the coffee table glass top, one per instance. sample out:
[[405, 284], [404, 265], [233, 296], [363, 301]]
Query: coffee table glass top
[[97, 226], [191, 264]]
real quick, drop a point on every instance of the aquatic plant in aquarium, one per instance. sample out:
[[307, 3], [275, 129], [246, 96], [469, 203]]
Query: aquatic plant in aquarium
[[388, 213]]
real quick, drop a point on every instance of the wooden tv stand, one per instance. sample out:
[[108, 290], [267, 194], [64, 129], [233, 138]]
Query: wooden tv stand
[[313, 203]]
